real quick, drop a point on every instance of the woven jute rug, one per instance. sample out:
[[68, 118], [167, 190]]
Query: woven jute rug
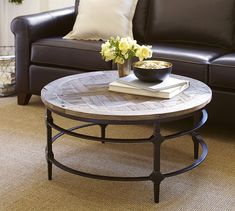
[[23, 175]]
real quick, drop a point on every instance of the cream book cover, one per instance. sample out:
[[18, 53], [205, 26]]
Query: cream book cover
[[168, 83], [165, 93]]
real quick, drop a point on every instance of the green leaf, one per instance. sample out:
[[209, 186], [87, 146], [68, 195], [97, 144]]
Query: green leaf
[[16, 1]]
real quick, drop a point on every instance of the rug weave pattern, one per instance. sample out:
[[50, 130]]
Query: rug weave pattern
[[23, 176]]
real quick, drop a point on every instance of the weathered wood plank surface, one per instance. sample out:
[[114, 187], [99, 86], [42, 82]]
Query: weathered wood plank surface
[[86, 95]]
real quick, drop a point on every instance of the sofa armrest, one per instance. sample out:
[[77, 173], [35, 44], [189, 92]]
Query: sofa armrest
[[30, 28]]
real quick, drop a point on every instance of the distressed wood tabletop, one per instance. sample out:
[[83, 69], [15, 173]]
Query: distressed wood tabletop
[[86, 95]]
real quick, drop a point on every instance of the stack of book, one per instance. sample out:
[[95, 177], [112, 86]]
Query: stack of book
[[169, 88]]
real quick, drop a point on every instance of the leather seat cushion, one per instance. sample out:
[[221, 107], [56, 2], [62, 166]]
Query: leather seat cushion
[[189, 60], [222, 72], [77, 54], [41, 76], [196, 21]]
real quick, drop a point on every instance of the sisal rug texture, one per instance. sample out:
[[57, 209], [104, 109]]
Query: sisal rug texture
[[23, 169]]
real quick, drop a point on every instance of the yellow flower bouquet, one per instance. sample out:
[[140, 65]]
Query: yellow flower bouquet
[[121, 50]]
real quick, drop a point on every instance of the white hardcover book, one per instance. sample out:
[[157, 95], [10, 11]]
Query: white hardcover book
[[165, 93], [169, 82]]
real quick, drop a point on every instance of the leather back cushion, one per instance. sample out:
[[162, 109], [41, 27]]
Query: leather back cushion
[[198, 21], [139, 20], [76, 6]]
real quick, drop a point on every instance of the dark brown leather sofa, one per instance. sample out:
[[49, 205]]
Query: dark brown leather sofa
[[198, 37]]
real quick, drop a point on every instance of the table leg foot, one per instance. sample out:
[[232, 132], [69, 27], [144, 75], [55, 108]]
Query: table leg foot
[[49, 170], [156, 189], [156, 178]]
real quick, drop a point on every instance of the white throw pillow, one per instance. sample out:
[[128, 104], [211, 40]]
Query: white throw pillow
[[102, 19]]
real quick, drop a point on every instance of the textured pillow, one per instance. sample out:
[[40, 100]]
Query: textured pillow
[[101, 19]]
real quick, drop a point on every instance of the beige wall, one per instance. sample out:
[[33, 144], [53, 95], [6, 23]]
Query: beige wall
[[56, 4], [8, 11]]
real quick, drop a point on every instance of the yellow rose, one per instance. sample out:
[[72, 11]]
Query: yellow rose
[[131, 41], [105, 46], [138, 54], [144, 52], [108, 54], [124, 45], [126, 56], [119, 60]]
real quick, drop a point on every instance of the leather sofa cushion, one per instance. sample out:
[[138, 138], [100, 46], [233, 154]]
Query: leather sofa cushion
[[77, 54], [222, 72], [41, 76], [196, 21], [189, 60], [139, 20], [76, 6]]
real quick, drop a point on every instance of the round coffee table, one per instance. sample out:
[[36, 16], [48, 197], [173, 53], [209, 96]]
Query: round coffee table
[[85, 97]]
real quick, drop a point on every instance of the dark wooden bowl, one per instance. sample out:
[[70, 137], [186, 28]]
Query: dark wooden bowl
[[152, 70]]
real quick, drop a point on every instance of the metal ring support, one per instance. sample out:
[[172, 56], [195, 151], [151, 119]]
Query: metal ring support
[[95, 176], [197, 126], [115, 140], [93, 138], [196, 163]]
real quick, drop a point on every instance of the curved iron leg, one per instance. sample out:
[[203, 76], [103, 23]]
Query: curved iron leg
[[198, 138], [49, 152], [196, 119], [196, 145], [103, 127], [156, 175]]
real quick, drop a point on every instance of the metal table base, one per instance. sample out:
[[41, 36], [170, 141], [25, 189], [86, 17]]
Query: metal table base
[[200, 117]]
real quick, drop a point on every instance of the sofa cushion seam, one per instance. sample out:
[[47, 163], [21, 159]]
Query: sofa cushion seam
[[64, 47], [189, 61], [222, 65]]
